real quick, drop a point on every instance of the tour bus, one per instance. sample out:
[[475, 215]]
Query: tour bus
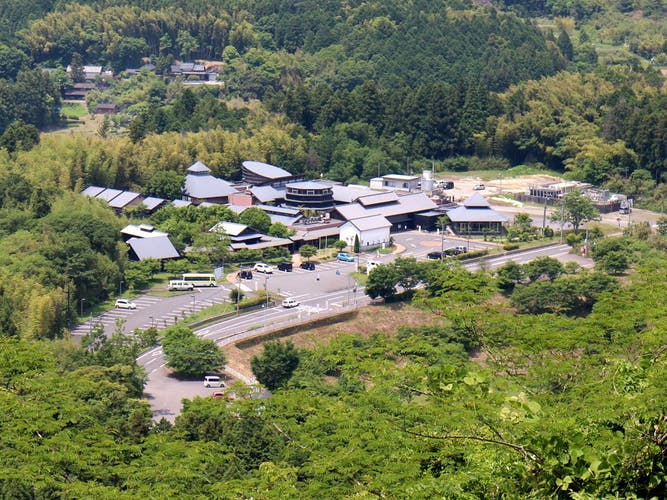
[[200, 279]]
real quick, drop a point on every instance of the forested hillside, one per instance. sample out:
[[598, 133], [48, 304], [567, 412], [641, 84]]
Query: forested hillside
[[484, 402]]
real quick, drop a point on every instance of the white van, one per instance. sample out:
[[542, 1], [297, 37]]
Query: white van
[[372, 264], [213, 381], [180, 285]]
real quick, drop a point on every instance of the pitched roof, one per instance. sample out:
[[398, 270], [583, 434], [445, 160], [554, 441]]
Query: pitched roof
[[124, 199], [267, 193], [476, 201], [229, 228], [181, 203], [348, 194], [108, 194], [370, 223], [153, 248], [265, 170], [408, 204], [375, 199], [206, 186], [142, 231], [151, 203], [92, 191], [465, 214], [198, 167]]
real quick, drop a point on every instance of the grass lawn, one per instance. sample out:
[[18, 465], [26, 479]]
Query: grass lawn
[[74, 110]]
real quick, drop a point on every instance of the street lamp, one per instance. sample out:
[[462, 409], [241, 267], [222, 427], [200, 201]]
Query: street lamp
[[151, 318], [193, 303], [120, 288], [82, 301], [238, 291], [266, 290]]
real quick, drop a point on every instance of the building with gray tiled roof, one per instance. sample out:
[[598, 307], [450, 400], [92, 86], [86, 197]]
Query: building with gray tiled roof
[[476, 216], [201, 186]]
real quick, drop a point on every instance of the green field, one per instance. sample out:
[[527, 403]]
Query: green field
[[74, 110]]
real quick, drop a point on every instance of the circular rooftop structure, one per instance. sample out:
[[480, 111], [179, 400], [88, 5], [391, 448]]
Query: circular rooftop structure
[[309, 195]]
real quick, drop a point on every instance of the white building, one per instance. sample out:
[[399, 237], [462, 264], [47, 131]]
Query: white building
[[396, 182], [372, 231]]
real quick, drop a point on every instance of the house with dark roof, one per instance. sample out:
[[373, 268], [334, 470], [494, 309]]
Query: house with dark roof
[[372, 231], [125, 200], [243, 237], [200, 186], [476, 216]]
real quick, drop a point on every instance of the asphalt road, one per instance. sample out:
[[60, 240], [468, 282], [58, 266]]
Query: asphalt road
[[332, 293]]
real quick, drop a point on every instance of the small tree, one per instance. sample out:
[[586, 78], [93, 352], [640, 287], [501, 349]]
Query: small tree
[[307, 251], [256, 218], [190, 355], [339, 245], [274, 367], [382, 281], [356, 243], [576, 209]]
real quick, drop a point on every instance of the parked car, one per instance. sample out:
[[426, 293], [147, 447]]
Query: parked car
[[310, 266], [179, 285], [460, 249], [260, 267], [213, 381], [434, 255], [479, 187], [372, 264], [125, 304], [290, 302], [285, 266], [345, 257], [244, 274]]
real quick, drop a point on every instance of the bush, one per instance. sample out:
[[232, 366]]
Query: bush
[[510, 246], [548, 232]]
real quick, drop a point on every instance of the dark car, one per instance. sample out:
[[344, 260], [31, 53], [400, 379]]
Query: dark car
[[285, 266], [245, 274], [310, 266], [434, 255]]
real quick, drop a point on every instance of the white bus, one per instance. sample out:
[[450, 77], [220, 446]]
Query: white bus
[[200, 279]]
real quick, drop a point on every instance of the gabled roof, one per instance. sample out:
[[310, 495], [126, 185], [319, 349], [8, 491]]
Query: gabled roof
[[265, 170], [348, 194], [229, 228], [370, 223], [108, 194], [375, 199], [202, 186], [408, 204], [153, 248], [267, 193], [181, 203], [124, 199], [465, 214], [92, 191], [151, 203], [142, 231], [476, 201]]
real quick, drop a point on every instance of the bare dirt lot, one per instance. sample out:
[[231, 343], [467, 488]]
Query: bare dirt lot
[[464, 187], [369, 320]]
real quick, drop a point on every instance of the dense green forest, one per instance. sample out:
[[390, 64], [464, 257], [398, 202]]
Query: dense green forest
[[535, 381], [484, 402]]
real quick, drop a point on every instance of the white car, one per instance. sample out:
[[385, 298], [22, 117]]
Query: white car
[[372, 264], [291, 302], [260, 267], [125, 304], [479, 187]]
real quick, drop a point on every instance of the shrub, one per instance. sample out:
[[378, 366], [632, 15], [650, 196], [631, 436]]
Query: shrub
[[510, 246]]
